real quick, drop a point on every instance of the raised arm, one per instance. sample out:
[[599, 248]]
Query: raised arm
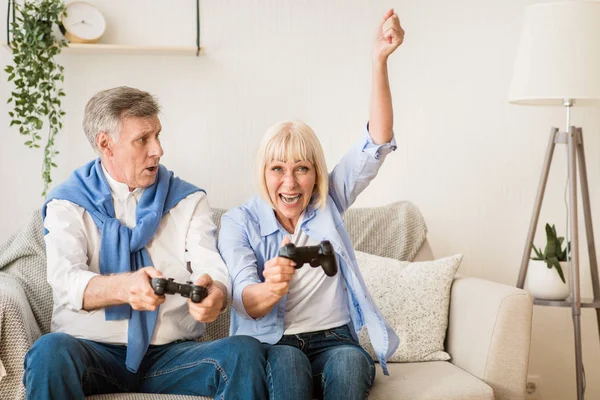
[[389, 36], [360, 165]]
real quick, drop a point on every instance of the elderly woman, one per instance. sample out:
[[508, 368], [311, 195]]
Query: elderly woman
[[311, 319]]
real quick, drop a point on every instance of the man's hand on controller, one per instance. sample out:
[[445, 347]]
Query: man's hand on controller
[[139, 293], [208, 309], [279, 272]]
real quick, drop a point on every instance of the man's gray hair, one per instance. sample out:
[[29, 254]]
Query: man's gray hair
[[106, 111]]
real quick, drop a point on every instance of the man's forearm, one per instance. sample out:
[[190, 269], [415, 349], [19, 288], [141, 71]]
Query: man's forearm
[[225, 294], [104, 291]]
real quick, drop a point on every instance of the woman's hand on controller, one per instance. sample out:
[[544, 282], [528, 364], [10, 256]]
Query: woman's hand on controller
[[278, 273], [208, 309]]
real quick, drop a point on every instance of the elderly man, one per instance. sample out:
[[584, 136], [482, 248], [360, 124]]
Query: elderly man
[[117, 222]]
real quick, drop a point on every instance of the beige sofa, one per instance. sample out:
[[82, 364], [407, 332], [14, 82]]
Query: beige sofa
[[488, 334]]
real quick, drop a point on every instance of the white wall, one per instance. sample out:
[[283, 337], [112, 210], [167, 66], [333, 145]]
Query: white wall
[[466, 157]]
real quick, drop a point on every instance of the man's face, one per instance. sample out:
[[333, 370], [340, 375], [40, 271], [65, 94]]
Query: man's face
[[135, 156]]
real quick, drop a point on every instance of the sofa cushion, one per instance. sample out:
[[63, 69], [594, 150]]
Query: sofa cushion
[[414, 298], [433, 380]]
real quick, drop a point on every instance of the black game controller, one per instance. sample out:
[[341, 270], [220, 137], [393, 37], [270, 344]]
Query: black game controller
[[321, 255], [163, 286]]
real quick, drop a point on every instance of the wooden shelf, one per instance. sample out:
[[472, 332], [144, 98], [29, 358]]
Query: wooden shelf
[[585, 303], [76, 48]]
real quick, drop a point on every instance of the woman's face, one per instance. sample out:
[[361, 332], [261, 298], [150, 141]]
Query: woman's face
[[290, 186]]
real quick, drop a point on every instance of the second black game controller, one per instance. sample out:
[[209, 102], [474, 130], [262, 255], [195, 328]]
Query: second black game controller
[[163, 286], [321, 255]]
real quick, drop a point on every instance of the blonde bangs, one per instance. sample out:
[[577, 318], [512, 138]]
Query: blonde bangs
[[289, 146]]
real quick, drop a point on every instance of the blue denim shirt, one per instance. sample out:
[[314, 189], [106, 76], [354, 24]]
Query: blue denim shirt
[[251, 235]]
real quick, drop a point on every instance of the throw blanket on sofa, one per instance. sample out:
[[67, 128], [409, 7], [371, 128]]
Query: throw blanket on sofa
[[396, 230], [25, 300]]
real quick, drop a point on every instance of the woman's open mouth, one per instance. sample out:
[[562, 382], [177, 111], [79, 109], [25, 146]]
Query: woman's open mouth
[[291, 200]]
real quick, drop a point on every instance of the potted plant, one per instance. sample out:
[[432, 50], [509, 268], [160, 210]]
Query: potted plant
[[548, 271], [36, 75]]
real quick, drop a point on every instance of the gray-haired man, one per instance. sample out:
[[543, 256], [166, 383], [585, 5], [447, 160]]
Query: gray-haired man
[[117, 222]]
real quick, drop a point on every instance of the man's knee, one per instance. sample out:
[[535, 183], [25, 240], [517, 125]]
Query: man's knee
[[50, 348], [51, 352], [244, 349]]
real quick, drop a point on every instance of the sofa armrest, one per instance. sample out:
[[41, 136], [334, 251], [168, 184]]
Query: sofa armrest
[[18, 331], [489, 334], [425, 252]]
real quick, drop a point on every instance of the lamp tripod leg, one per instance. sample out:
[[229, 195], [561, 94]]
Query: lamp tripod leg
[[572, 145], [537, 207], [587, 212]]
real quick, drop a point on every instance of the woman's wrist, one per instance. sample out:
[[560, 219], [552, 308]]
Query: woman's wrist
[[379, 62]]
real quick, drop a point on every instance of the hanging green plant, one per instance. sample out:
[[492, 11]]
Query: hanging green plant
[[36, 75]]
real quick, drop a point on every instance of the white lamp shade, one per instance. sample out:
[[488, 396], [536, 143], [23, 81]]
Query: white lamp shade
[[559, 55]]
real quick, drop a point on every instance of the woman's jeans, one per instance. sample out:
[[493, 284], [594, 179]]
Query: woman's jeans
[[59, 366], [327, 364]]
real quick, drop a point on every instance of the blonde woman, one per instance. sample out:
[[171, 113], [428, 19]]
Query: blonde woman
[[308, 319]]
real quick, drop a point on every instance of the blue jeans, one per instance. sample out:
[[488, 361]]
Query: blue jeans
[[327, 364], [59, 366]]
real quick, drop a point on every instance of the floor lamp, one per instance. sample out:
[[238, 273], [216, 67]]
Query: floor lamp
[[558, 64]]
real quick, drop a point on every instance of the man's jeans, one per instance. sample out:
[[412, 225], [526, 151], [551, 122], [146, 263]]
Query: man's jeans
[[59, 366], [326, 364]]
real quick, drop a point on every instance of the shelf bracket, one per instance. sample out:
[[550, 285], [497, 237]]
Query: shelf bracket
[[197, 28], [11, 7]]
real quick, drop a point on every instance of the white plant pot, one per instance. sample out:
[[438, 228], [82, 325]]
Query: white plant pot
[[544, 283]]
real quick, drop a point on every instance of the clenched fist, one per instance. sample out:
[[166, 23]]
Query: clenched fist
[[278, 273], [389, 36], [140, 294], [209, 308]]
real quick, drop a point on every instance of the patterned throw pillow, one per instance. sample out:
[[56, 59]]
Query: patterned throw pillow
[[414, 298]]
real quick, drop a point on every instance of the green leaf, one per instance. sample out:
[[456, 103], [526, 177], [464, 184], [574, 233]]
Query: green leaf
[[560, 272], [35, 75]]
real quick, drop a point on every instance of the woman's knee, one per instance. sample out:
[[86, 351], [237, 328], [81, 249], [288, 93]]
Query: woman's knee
[[289, 374], [349, 361], [281, 356]]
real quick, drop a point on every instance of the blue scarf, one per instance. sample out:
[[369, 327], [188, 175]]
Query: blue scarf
[[123, 249]]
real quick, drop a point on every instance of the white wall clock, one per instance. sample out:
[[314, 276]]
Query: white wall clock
[[83, 23]]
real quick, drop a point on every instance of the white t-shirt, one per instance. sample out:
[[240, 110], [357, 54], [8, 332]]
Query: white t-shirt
[[185, 239], [315, 301]]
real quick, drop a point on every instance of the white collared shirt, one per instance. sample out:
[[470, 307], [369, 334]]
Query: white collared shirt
[[183, 248]]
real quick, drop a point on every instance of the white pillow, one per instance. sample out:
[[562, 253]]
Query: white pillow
[[414, 298]]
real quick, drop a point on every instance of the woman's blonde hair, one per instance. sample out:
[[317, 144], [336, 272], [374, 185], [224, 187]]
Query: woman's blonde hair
[[293, 140]]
